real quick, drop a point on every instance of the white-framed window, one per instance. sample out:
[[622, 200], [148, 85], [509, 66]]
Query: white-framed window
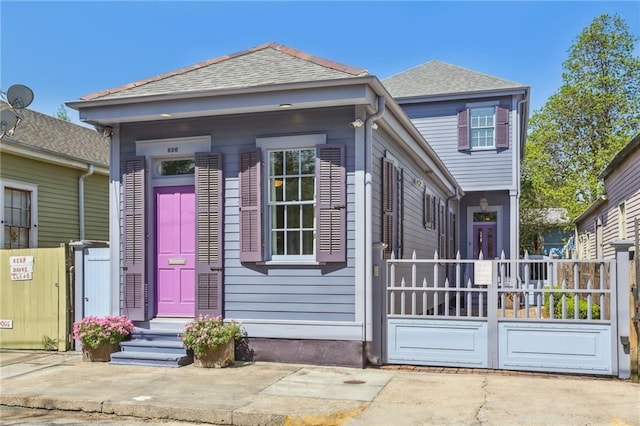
[[19, 215], [622, 220], [292, 201], [482, 127], [291, 195]]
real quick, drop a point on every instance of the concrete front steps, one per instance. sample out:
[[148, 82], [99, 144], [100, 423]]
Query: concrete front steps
[[159, 345]]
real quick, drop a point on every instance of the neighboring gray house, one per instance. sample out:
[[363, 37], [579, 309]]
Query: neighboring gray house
[[612, 216], [259, 186], [477, 125]]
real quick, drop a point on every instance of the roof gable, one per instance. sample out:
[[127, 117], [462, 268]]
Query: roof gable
[[440, 78], [270, 63], [48, 134]]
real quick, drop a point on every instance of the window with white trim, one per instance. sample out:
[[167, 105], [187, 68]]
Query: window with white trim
[[482, 127], [292, 201], [19, 215]]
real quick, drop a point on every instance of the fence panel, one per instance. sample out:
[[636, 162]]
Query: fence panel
[[33, 312]]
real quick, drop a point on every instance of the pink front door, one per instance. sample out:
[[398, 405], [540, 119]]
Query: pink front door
[[175, 251]]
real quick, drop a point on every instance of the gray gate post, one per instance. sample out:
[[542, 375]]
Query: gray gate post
[[623, 320]]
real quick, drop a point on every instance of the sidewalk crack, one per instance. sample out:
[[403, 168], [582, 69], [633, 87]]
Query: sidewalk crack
[[485, 382]]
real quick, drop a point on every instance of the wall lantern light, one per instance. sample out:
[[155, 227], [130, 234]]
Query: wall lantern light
[[484, 203]]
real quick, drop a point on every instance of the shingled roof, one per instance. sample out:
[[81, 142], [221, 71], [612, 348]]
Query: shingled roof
[[50, 135], [270, 63], [440, 78]]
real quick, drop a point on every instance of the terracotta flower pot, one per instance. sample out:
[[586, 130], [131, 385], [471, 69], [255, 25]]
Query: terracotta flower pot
[[100, 354], [219, 357]]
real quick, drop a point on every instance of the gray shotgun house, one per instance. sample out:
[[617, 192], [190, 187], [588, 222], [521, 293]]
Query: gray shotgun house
[[612, 216], [267, 186], [477, 124]]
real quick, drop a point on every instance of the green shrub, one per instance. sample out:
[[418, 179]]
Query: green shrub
[[583, 305]]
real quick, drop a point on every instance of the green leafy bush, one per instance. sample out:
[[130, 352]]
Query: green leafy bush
[[583, 305]]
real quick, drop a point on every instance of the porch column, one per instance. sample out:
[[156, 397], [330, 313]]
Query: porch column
[[514, 224], [623, 286], [114, 219]]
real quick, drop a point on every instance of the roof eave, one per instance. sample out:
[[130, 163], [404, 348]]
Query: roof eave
[[12, 146], [620, 156], [402, 117], [601, 200], [523, 90], [125, 100]]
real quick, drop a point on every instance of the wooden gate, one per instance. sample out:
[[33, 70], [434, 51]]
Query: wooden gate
[[503, 314], [34, 299]]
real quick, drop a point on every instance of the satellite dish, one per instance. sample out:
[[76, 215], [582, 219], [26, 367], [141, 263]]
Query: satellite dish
[[19, 96], [8, 121]]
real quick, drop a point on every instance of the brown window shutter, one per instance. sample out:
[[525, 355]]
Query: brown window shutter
[[502, 127], [209, 228], [463, 130], [387, 206], [251, 206], [136, 292], [331, 204]]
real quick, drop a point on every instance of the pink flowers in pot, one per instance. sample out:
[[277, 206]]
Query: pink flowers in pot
[[206, 333], [95, 331]]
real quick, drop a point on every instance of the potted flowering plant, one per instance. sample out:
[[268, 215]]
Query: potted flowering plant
[[101, 336], [211, 340]]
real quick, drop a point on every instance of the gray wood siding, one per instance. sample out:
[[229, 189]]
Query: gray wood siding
[[58, 217], [622, 184], [270, 292], [416, 237], [438, 123], [586, 242]]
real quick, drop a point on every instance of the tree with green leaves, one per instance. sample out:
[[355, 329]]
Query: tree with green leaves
[[582, 126], [63, 113]]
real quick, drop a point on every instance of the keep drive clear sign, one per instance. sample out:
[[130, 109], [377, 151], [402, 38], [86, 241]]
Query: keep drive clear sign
[[21, 268]]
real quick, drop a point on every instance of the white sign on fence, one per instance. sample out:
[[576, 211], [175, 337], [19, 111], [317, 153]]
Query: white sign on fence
[[483, 272], [21, 268], [6, 323]]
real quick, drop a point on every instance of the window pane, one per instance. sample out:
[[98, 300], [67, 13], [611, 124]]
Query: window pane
[[307, 242], [15, 217], [276, 163], [293, 242], [291, 185], [308, 215], [293, 216], [277, 214], [276, 192], [307, 162], [292, 166], [277, 242], [308, 188], [176, 167]]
